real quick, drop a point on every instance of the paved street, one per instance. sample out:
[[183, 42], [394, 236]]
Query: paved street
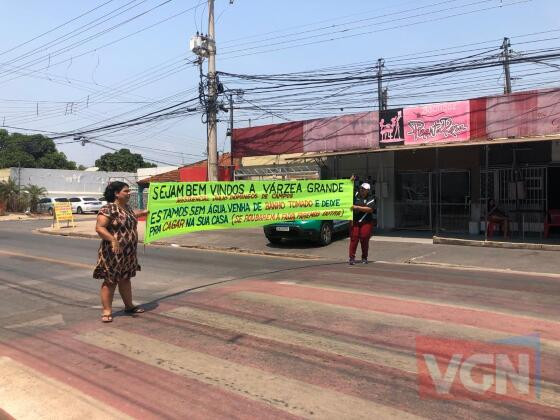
[[227, 335]]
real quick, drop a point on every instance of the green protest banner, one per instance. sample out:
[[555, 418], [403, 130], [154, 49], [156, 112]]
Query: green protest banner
[[181, 207]]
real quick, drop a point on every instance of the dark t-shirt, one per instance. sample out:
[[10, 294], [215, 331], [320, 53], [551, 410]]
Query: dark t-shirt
[[360, 216]]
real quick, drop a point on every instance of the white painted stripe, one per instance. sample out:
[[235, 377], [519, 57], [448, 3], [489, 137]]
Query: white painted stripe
[[420, 300], [280, 392], [550, 392], [28, 394], [369, 354], [42, 287], [421, 326], [48, 321]]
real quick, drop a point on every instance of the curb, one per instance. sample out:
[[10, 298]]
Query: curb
[[198, 247], [493, 244], [473, 268]]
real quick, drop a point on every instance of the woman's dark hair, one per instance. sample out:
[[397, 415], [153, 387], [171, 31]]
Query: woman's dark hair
[[113, 189]]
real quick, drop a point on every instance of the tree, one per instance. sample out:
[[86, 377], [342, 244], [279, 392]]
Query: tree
[[34, 193], [122, 161], [9, 193], [35, 151], [55, 160]]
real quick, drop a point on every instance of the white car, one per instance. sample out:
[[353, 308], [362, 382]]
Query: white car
[[46, 205], [85, 204]]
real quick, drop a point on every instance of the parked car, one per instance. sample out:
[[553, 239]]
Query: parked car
[[320, 231], [103, 201], [85, 204], [46, 205]]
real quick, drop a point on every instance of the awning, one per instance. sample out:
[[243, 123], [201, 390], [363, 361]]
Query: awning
[[428, 146]]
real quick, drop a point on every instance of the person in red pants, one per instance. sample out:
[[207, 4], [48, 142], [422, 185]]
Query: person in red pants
[[362, 224]]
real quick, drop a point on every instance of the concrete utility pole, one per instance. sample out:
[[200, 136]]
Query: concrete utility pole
[[212, 98], [231, 165], [380, 64], [505, 47]]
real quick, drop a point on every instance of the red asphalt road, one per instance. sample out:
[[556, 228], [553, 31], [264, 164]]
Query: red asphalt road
[[344, 337]]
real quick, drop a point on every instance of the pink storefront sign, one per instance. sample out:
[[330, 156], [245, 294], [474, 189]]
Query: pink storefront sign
[[435, 123]]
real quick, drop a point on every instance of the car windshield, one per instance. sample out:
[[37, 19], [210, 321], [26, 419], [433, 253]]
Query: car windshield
[[90, 199], [61, 200]]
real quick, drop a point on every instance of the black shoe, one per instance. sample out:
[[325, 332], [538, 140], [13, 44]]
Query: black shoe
[[351, 261], [365, 261]]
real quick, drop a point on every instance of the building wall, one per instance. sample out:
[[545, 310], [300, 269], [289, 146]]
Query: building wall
[[523, 114], [449, 158], [199, 173], [272, 139], [66, 182], [345, 132], [5, 174]]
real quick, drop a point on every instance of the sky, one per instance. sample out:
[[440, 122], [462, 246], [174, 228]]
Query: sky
[[68, 65]]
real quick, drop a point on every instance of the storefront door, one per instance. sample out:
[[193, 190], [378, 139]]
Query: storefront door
[[453, 208], [413, 204]]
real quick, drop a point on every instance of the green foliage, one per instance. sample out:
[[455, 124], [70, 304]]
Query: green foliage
[[55, 160], [35, 151], [20, 199], [122, 160], [10, 194], [33, 193]]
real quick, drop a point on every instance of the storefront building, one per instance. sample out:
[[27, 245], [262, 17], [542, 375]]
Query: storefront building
[[436, 166]]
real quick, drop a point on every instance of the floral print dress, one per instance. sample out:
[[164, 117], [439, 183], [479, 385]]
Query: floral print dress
[[112, 267]]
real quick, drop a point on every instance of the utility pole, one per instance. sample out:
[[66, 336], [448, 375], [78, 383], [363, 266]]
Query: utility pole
[[380, 64], [212, 98], [506, 50], [385, 97], [231, 165]]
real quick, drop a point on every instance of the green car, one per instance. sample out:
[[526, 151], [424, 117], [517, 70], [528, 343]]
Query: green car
[[320, 231]]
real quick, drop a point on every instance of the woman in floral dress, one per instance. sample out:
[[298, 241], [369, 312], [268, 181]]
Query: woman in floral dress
[[117, 261]]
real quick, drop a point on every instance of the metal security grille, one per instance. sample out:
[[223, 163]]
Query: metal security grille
[[520, 192]]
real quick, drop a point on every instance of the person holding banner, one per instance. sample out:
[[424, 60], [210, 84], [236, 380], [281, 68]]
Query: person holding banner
[[117, 261], [362, 224]]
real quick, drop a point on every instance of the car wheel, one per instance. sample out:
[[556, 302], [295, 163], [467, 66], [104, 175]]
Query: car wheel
[[51, 211], [326, 234], [79, 210], [274, 240]]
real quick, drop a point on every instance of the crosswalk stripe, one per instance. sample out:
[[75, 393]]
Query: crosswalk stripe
[[404, 361], [284, 393], [369, 354], [421, 326], [38, 288], [27, 394], [418, 300], [450, 294], [515, 324]]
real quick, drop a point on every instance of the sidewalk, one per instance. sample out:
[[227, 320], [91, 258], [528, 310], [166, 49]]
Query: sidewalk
[[10, 217], [394, 247]]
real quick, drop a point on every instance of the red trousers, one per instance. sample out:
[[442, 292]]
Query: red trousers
[[360, 232]]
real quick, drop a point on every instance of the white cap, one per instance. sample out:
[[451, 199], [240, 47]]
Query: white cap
[[365, 186]]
